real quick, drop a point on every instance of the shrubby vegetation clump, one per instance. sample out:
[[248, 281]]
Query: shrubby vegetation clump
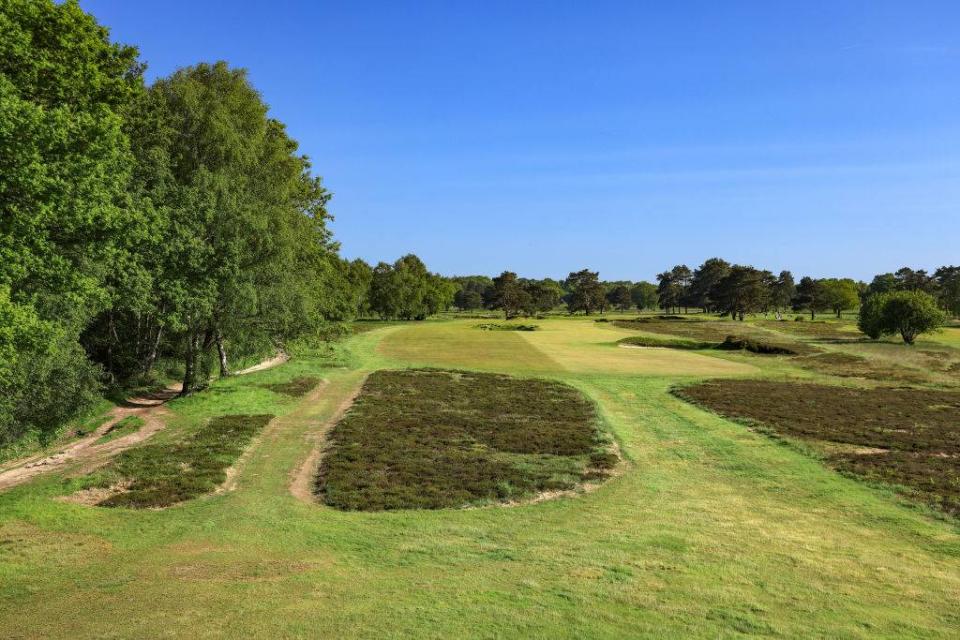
[[430, 439], [907, 313]]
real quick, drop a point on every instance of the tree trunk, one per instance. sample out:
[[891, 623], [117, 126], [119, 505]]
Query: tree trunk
[[152, 357], [813, 314], [222, 352], [190, 365]]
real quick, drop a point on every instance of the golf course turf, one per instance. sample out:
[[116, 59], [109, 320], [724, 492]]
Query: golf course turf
[[710, 530]]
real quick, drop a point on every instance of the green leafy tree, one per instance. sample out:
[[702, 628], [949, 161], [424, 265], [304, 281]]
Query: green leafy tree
[[469, 295], [908, 279], [840, 294], [811, 296], [509, 295], [586, 292], [909, 313], [64, 167], [668, 291], [544, 295], [704, 279], [782, 291], [948, 288], [619, 297], [644, 295], [743, 290]]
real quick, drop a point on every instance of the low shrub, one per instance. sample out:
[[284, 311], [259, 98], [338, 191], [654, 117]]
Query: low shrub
[[160, 475], [430, 439]]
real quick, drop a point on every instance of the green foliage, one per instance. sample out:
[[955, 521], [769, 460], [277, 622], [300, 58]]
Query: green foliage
[[65, 162], [644, 295], [470, 292], [406, 290], [908, 313], [509, 294], [742, 290], [586, 292], [619, 297], [840, 294], [812, 296], [705, 278]]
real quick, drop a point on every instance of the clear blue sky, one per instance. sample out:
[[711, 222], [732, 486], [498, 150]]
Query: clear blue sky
[[544, 137]]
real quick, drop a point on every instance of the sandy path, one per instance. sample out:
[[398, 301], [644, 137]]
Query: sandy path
[[150, 408], [301, 483]]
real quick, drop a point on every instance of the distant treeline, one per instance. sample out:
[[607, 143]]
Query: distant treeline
[[716, 286]]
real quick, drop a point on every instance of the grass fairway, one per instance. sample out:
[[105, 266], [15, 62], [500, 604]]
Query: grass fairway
[[711, 530]]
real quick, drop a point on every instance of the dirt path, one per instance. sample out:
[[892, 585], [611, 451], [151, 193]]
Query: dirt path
[[270, 432], [301, 483], [149, 408]]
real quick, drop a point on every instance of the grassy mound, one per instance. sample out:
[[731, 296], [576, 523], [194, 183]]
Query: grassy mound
[[669, 343], [159, 475], [736, 343], [902, 437], [701, 334], [431, 439], [294, 388]]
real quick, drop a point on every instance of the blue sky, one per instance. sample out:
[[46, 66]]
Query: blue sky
[[627, 137]]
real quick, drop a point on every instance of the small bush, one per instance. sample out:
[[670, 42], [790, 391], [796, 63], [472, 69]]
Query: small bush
[[909, 313]]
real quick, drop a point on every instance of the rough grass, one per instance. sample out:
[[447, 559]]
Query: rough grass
[[432, 439], [849, 365], [814, 329], [295, 388], [668, 343], [497, 326], [130, 424], [714, 332], [160, 475], [905, 437]]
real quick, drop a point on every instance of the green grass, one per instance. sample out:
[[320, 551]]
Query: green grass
[[711, 531], [902, 437], [423, 438], [130, 424], [294, 388]]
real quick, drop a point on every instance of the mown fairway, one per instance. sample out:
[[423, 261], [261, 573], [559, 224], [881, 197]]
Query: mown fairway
[[711, 530]]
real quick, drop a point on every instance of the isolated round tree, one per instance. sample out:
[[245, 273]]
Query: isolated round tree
[[909, 313]]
